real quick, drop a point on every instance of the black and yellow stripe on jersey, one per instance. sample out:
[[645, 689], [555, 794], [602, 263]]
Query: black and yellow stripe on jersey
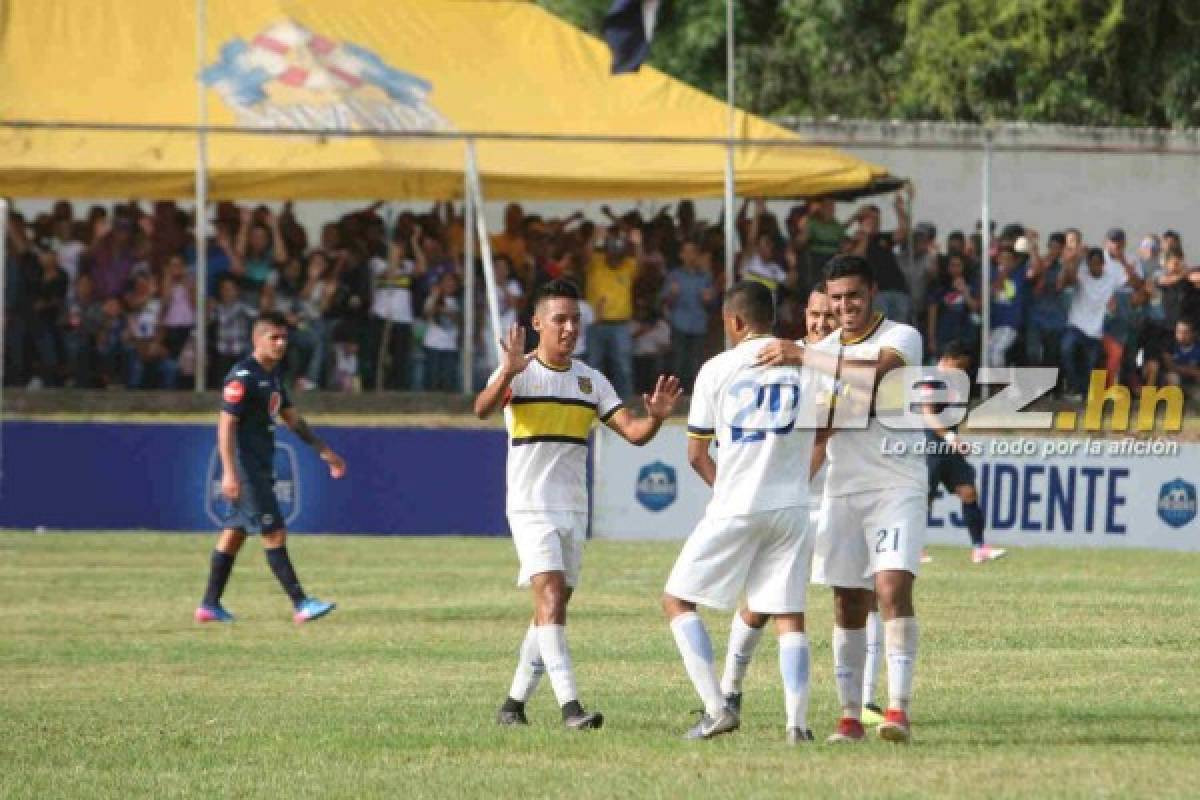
[[553, 419]]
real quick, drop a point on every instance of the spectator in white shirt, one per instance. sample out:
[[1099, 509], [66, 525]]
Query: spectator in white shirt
[[1105, 271]]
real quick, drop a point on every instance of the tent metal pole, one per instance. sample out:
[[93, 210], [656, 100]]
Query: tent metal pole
[[485, 248], [985, 283], [469, 290], [201, 217], [3, 323]]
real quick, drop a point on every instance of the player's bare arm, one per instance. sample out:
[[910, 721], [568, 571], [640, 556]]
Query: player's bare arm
[[659, 405], [231, 487], [513, 361], [298, 426], [701, 459]]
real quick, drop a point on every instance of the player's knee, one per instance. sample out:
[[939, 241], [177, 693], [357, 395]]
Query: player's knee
[[753, 618], [672, 606]]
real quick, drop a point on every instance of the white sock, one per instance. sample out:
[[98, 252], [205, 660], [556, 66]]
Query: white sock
[[552, 642], [691, 637], [530, 668], [742, 641], [849, 655], [902, 659], [793, 666], [871, 670]]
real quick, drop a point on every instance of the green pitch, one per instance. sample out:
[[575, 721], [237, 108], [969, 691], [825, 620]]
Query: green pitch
[[1048, 674]]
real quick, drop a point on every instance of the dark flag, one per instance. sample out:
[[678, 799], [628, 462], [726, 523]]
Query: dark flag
[[628, 29]]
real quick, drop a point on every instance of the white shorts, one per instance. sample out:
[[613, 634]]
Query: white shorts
[[548, 541], [765, 554], [868, 532]]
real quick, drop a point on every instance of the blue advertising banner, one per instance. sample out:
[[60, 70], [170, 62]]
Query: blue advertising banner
[[97, 476]]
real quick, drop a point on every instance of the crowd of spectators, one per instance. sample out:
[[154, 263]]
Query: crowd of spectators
[[375, 300]]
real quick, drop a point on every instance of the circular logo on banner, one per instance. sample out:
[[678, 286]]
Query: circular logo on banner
[[234, 392], [656, 486], [1177, 503]]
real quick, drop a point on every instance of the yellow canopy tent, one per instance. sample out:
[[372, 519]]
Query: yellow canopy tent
[[435, 69]]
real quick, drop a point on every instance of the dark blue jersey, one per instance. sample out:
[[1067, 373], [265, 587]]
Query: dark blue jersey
[[255, 396]]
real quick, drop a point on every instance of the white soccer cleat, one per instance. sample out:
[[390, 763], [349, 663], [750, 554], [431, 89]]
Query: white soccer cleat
[[981, 555]]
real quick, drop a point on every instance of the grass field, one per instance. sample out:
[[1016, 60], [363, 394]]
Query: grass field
[[1049, 674]]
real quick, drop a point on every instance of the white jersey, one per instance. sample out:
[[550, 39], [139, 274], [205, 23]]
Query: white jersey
[[857, 461], [816, 487], [763, 421], [549, 413]]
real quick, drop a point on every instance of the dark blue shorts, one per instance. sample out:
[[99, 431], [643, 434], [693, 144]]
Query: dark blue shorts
[[950, 470], [257, 510]]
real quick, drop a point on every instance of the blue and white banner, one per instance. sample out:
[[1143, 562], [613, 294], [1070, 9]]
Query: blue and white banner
[[97, 476], [1034, 490]]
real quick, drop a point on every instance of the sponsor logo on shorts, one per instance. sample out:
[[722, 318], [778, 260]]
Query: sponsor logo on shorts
[[657, 486], [1177, 503], [234, 392]]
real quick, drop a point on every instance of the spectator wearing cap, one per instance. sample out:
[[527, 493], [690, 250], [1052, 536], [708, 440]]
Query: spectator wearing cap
[[1046, 316], [878, 248], [610, 278], [1094, 285]]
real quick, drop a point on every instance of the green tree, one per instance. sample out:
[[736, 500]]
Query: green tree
[[1102, 62]]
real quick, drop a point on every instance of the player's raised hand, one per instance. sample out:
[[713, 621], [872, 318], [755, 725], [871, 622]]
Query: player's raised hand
[[513, 358], [780, 352], [337, 465], [662, 401]]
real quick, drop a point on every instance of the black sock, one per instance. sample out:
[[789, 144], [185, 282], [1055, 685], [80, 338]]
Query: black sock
[[571, 709], [973, 516], [218, 575], [281, 565], [512, 705]]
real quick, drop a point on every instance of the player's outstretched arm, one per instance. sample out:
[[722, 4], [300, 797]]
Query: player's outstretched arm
[[298, 426], [513, 361], [659, 405], [231, 486]]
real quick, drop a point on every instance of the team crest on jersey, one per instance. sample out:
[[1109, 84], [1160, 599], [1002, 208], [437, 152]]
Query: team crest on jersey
[[1177, 503], [585, 384], [657, 486], [234, 392]]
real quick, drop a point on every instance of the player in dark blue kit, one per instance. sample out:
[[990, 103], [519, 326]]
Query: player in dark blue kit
[[253, 397], [948, 467]]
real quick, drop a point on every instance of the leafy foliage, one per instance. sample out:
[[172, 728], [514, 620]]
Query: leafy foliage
[[1086, 62]]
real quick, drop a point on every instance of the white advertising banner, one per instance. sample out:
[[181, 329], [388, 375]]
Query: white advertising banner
[[648, 492], [1035, 491]]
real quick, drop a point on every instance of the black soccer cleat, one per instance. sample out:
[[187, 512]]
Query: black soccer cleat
[[733, 701], [799, 736], [584, 721], [511, 718]]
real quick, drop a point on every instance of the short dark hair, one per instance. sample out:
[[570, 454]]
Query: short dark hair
[[753, 302], [819, 288], [848, 266], [275, 319], [1058, 237], [559, 287], [957, 348], [1094, 252]]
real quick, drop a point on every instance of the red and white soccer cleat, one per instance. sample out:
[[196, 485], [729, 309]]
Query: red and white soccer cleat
[[894, 727], [849, 731]]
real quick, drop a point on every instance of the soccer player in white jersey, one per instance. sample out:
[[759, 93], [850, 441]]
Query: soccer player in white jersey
[[550, 401], [873, 516], [747, 626], [755, 535]]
